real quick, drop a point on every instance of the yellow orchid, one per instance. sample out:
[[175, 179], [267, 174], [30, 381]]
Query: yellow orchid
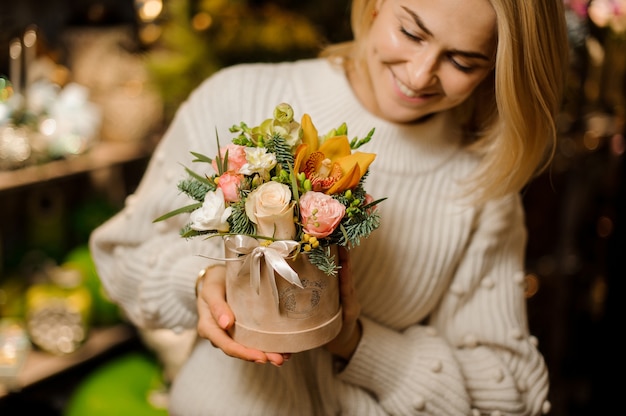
[[331, 167]]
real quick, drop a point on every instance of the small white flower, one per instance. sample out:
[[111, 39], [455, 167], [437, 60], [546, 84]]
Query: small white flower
[[259, 161], [213, 214]]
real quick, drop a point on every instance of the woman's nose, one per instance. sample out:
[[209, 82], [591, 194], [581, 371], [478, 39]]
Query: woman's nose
[[423, 70]]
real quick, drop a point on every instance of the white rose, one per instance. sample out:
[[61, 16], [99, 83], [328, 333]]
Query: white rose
[[270, 207], [213, 214]]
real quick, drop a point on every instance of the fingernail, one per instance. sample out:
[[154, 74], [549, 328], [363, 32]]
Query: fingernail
[[260, 362], [223, 321]]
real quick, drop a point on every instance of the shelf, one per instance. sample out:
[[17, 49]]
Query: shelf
[[102, 155], [40, 365]]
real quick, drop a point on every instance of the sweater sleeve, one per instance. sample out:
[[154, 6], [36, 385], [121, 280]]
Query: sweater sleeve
[[146, 267], [476, 357]]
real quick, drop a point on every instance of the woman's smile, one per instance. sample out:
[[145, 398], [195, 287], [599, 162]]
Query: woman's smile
[[415, 96], [415, 65]]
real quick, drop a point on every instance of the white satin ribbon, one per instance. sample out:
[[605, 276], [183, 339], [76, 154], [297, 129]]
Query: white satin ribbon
[[274, 255]]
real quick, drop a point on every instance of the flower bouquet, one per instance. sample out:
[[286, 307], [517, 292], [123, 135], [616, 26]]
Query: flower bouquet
[[284, 199]]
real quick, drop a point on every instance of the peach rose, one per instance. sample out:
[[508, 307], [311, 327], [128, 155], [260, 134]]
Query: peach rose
[[236, 157], [320, 213]]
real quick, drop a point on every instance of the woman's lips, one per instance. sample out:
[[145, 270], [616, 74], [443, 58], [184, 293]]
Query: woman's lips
[[404, 89], [409, 93]]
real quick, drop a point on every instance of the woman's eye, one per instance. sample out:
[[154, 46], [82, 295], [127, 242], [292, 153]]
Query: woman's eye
[[461, 67], [410, 35]]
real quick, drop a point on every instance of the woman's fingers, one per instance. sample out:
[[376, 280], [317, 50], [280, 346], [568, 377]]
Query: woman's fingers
[[215, 318]]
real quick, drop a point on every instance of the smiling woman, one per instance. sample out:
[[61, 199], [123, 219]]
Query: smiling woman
[[425, 67], [433, 310]]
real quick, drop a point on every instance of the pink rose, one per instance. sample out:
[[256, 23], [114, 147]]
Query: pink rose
[[229, 184], [236, 157], [320, 213]]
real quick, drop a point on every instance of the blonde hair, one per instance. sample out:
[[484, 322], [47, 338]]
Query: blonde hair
[[510, 117]]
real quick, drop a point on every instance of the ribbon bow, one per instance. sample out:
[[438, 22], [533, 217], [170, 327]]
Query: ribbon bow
[[274, 255]]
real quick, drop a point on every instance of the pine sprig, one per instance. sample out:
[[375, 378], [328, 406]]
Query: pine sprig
[[355, 230], [239, 221], [321, 258], [279, 146], [195, 189]]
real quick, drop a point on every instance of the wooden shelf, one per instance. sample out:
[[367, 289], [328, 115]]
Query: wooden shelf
[[102, 155], [40, 365]]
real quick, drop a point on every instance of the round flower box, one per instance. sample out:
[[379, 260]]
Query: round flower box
[[273, 314]]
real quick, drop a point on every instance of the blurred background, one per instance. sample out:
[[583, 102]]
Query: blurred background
[[87, 88]]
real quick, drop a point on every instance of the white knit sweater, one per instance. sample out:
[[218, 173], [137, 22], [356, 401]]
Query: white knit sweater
[[441, 281]]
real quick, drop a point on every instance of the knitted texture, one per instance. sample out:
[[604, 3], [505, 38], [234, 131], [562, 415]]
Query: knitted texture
[[440, 282]]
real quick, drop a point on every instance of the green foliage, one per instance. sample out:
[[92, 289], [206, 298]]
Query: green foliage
[[321, 258], [239, 221], [196, 189], [355, 230], [188, 232], [355, 143], [181, 210], [271, 138], [284, 155]]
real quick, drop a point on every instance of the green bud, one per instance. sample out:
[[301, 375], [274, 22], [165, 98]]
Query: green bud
[[307, 185], [348, 193], [342, 130], [283, 113]]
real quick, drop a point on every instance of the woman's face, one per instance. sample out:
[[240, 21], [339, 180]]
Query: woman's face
[[425, 56]]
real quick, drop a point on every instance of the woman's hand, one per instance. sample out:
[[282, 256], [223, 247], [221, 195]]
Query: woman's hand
[[215, 318], [348, 339]]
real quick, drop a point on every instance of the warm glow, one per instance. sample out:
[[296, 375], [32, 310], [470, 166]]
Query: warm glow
[[591, 141], [149, 10], [30, 37], [202, 21], [532, 285], [604, 227], [150, 33]]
